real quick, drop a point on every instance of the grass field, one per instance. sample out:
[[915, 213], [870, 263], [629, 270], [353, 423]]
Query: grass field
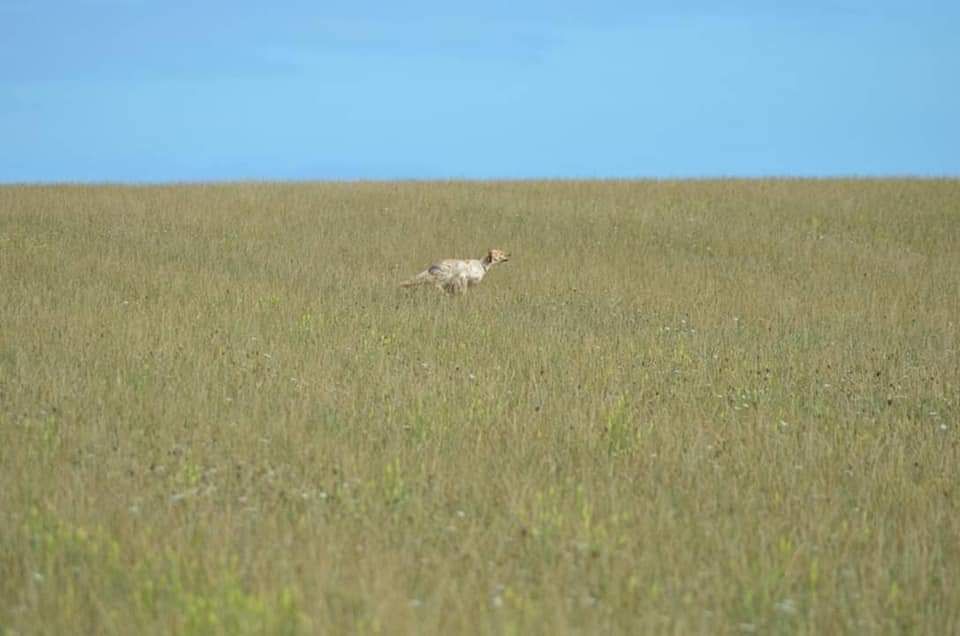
[[682, 407]]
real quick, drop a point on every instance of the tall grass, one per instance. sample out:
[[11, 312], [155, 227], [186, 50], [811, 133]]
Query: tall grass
[[682, 407]]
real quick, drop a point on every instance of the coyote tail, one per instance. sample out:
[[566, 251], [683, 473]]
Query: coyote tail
[[423, 278]]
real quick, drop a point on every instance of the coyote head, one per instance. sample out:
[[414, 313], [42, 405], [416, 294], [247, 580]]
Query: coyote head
[[495, 256]]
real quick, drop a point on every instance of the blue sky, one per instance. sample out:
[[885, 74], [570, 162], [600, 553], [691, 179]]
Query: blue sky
[[151, 91]]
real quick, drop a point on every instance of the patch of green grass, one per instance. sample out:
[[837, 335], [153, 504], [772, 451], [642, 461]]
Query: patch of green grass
[[83, 580]]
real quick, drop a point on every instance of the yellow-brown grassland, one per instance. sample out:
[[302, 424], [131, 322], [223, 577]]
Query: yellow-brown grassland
[[683, 407]]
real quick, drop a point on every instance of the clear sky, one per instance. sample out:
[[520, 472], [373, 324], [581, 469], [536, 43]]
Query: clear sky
[[169, 90]]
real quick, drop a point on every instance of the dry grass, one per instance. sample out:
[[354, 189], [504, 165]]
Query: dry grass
[[683, 407]]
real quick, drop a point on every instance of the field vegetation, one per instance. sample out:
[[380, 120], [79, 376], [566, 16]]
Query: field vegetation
[[685, 407]]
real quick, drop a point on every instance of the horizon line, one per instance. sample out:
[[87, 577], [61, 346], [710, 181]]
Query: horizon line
[[479, 180]]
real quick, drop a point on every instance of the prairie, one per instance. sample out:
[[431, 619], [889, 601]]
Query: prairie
[[722, 406]]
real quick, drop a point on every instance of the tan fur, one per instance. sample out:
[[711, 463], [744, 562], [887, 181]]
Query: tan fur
[[455, 276]]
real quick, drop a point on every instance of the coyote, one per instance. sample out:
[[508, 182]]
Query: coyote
[[454, 276]]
